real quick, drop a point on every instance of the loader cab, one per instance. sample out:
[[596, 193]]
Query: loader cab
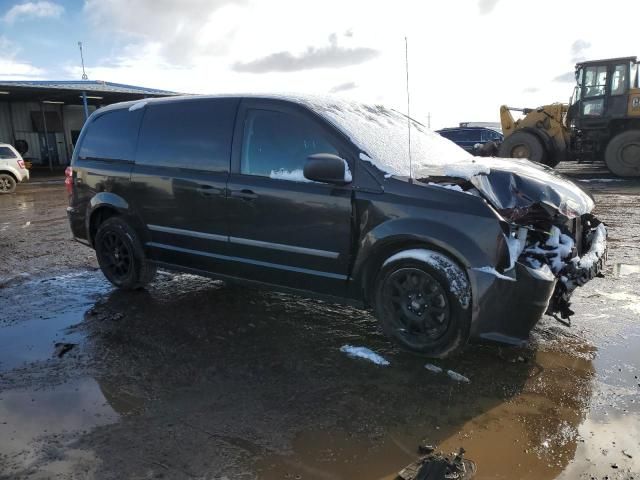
[[602, 91]]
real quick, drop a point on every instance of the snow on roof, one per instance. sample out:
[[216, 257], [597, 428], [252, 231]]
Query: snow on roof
[[380, 133]]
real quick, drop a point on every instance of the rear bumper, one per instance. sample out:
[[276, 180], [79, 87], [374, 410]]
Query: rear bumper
[[77, 224]]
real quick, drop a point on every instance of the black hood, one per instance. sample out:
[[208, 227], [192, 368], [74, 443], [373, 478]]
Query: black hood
[[515, 184]]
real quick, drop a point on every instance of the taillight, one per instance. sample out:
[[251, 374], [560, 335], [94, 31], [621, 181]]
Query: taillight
[[21, 164], [68, 179]]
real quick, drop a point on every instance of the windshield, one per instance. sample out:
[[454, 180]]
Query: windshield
[[382, 135]]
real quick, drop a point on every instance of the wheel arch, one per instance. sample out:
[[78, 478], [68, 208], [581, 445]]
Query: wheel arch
[[9, 172], [105, 205], [385, 248]]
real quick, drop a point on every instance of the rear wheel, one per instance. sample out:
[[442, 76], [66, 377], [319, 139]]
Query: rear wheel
[[121, 256], [416, 307], [623, 154], [7, 183], [526, 145]]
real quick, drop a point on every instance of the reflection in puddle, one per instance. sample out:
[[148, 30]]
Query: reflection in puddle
[[36, 314], [534, 433], [29, 419]]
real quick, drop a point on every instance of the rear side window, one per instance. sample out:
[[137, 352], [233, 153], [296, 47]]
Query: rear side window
[[6, 153], [188, 134], [112, 136]]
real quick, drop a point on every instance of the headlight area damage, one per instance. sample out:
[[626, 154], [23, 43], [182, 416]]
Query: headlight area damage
[[548, 226]]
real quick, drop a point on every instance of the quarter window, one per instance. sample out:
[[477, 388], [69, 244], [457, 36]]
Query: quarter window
[[277, 144], [194, 134], [112, 136], [6, 153]]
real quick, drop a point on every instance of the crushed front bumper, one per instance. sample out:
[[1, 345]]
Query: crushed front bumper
[[506, 310]]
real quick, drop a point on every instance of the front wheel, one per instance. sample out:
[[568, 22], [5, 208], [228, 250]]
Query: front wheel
[[121, 256], [424, 304], [7, 183], [526, 145], [622, 155]]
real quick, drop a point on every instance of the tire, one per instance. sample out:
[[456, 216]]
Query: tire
[[121, 256], [424, 317], [525, 145], [622, 154], [7, 183]]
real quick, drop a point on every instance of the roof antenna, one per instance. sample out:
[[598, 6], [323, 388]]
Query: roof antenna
[[406, 61], [84, 75]]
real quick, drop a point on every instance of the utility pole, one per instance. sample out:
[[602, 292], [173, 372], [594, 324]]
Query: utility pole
[[429, 120]]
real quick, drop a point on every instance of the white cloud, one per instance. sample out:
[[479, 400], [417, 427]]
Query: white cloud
[[463, 64], [12, 69], [43, 9], [184, 30]]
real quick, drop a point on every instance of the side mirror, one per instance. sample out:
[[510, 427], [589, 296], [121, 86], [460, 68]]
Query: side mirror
[[327, 168]]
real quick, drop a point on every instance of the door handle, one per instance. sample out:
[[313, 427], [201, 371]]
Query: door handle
[[244, 194]]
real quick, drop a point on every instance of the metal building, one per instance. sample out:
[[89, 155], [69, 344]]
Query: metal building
[[48, 115]]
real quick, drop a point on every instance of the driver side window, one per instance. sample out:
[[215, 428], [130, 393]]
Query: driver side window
[[277, 144]]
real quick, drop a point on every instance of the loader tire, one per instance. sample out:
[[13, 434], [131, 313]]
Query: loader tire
[[526, 145], [622, 155]]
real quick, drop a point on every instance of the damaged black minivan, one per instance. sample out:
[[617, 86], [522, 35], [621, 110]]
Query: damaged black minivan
[[319, 196]]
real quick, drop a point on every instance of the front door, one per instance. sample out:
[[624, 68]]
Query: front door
[[284, 229]]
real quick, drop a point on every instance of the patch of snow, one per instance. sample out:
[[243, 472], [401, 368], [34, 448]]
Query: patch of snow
[[598, 246], [433, 368], [494, 272], [294, 175], [383, 134], [455, 188], [589, 180], [457, 377], [458, 282], [364, 352], [541, 272], [138, 105], [558, 249], [347, 173]]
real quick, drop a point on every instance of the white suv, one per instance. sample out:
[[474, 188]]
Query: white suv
[[12, 168]]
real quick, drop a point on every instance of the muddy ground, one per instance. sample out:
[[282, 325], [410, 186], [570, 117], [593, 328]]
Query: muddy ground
[[196, 379]]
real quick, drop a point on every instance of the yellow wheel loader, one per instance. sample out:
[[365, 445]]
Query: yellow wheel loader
[[602, 120]]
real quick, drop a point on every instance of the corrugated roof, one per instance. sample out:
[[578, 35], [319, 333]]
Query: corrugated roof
[[85, 85]]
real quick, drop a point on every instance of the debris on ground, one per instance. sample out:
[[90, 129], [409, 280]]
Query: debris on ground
[[437, 466], [627, 454], [433, 368], [364, 352], [457, 377], [61, 349]]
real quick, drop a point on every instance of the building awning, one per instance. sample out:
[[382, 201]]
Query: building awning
[[71, 92]]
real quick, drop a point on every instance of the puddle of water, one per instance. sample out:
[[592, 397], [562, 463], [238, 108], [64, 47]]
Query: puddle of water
[[623, 269], [37, 313], [63, 413], [535, 433]]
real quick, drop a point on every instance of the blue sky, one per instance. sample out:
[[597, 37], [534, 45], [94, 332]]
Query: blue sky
[[467, 57]]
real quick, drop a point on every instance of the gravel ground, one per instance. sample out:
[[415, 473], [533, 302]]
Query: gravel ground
[[196, 379]]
